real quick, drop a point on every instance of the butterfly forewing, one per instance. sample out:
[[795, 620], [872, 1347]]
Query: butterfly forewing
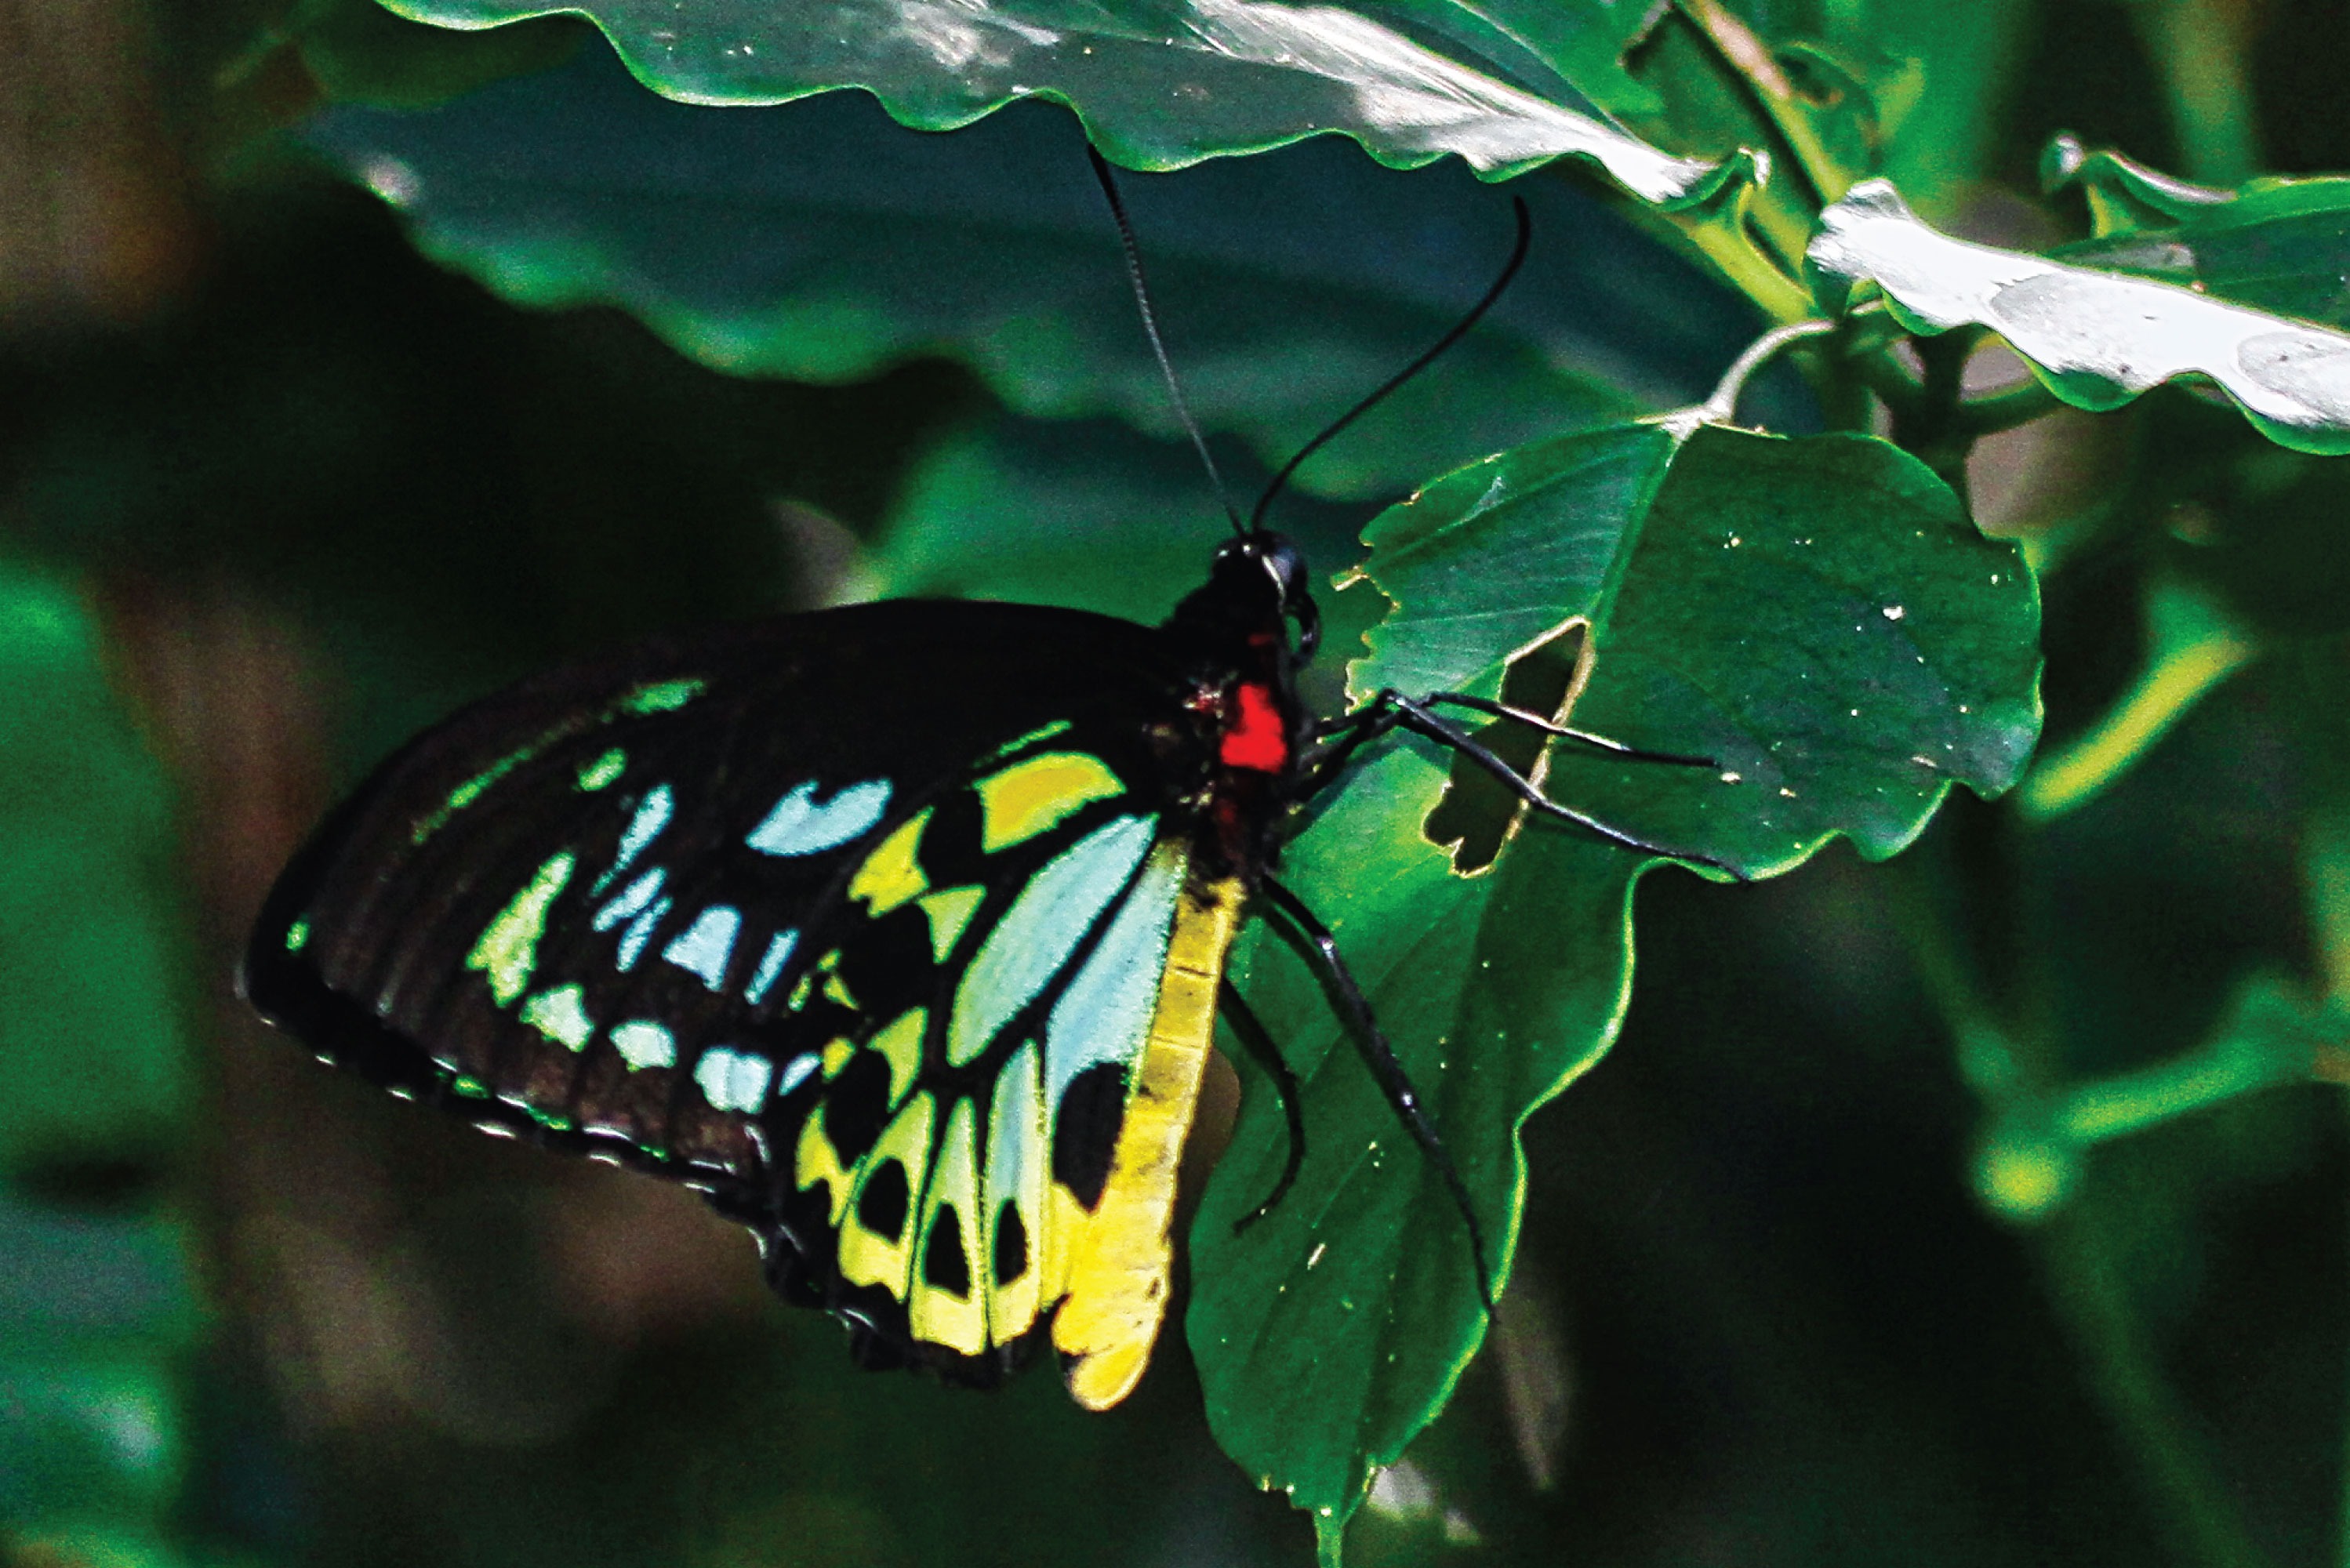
[[881, 986]]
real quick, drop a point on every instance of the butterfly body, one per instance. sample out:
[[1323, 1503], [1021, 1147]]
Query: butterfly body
[[896, 929]]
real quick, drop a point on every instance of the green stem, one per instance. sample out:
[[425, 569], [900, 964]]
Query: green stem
[[2199, 48], [2153, 1428], [2007, 408], [2010, 1066], [2193, 645], [1751, 59], [1722, 406]]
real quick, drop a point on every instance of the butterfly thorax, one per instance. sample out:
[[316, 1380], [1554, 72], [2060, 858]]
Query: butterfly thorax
[[1242, 659]]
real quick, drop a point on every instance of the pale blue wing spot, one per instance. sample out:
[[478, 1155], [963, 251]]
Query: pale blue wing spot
[[561, 1015], [796, 1071], [704, 947], [652, 814], [1105, 1014], [640, 932], [801, 825], [1043, 927], [771, 966], [631, 901], [644, 1043], [733, 1080]]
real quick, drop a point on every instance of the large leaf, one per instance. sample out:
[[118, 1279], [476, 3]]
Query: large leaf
[[93, 1064], [98, 1306], [1166, 83], [1819, 615], [2278, 244], [819, 240], [2096, 338]]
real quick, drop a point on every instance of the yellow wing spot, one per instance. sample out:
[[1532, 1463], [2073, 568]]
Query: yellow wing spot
[[509, 949], [935, 1314], [817, 1160], [660, 696], [1117, 1257], [1043, 732], [867, 1259], [825, 973], [603, 770], [901, 1044], [950, 910], [890, 875], [1030, 796], [838, 1054]]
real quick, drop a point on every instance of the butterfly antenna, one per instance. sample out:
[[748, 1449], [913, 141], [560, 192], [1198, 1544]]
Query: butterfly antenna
[[1151, 329], [1460, 329]]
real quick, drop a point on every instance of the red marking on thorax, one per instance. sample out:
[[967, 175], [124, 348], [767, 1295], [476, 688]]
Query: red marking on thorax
[[1258, 739]]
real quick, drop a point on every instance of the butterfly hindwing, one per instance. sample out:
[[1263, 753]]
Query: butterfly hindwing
[[911, 998]]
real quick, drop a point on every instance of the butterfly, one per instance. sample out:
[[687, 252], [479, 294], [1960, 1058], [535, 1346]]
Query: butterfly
[[896, 929]]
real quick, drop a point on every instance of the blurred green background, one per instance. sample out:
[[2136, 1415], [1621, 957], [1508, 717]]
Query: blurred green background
[[276, 491]]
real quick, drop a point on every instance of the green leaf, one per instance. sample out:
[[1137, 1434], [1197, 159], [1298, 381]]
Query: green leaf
[[2277, 244], [1165, 83], [822, 242], [2096, 338], [360, 53], [1819, 615], [2272, 1034], [93, 1063]]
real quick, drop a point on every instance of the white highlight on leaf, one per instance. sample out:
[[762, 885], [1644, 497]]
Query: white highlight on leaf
[[801, 825], [733, 1080], [1413, 98], [704, 947], [2130, 333], [939, 63]]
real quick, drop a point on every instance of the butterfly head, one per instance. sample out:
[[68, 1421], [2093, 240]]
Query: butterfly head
[[1257, 584]]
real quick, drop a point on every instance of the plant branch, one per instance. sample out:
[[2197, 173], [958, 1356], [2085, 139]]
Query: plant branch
[[1722, 405], [1751, 59]]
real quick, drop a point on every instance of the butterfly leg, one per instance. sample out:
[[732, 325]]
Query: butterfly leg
[[1260, 1046], [1580, 737], [1355, 1010], [1392, 709]]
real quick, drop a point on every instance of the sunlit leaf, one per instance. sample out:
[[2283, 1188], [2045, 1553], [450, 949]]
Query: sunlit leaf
[[820, 240], [1818, 616], [1159, 83], [2096, 338], [93, 1058], [2278, 244]]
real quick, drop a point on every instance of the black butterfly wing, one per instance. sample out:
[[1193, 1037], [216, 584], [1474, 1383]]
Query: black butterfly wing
[[860, 922]]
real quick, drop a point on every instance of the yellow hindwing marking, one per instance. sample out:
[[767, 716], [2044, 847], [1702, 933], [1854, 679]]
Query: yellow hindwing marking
[[817, 1160], [890, 875], [509, 949], [1030, 796], [950, 910], [901, 1045], [1119, 1257], [867, 1259], [935, 1315]]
